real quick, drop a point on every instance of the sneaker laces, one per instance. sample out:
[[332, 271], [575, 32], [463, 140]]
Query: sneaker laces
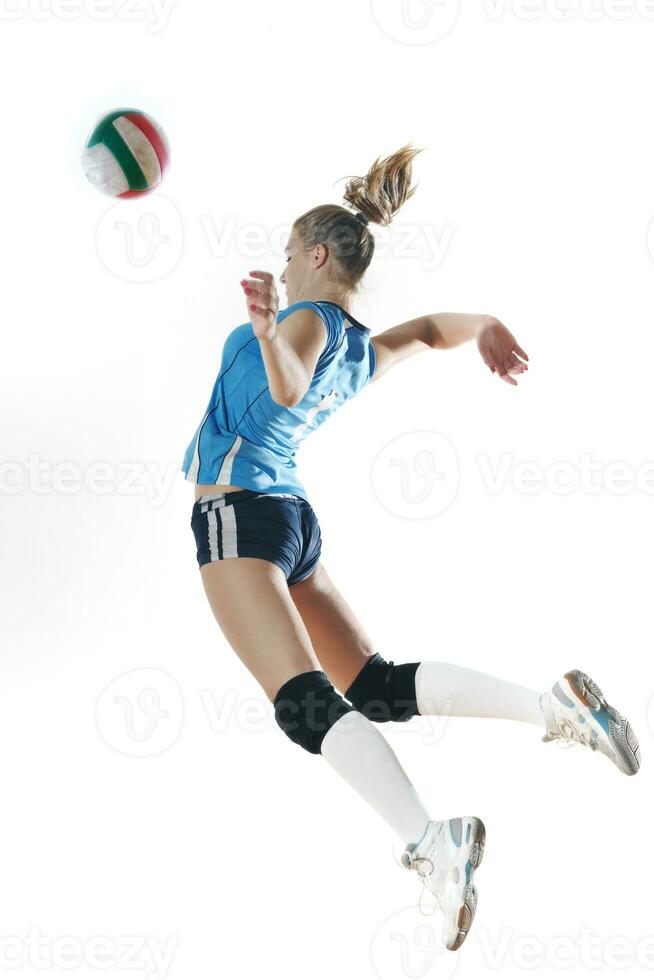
[[424, 868], [566, 732]]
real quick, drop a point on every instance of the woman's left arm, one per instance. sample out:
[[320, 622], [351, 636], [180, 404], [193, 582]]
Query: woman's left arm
[[442, 331]]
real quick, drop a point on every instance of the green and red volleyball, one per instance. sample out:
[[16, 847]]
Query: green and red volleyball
[[126, 154]]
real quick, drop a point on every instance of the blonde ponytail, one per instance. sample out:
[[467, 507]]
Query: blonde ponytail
[[385, 188], [375, 198]]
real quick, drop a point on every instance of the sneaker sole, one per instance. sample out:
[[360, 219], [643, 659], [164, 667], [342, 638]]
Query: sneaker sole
[[617, 729], [469, 907]]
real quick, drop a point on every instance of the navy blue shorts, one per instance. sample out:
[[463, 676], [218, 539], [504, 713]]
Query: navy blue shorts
[[282, 528]]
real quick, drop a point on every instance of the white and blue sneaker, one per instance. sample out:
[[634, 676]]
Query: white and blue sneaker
[[445, 857], [575, 710]]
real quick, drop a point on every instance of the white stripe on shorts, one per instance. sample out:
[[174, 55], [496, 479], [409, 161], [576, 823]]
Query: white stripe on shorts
[[212, 524], [227, 517], [205, 500], [228, 526]]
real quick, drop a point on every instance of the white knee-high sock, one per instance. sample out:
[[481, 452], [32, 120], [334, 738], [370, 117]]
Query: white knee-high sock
[[362, 756], [447, 689]]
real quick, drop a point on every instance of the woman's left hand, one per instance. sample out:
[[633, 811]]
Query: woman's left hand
[[500, 350]]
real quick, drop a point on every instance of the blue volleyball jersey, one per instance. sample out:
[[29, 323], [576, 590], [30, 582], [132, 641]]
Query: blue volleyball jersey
[[245, 438]]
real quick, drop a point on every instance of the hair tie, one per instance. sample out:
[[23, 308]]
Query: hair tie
[[361, 218]]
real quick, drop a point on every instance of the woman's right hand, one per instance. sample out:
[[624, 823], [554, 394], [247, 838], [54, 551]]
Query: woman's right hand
[[262, 303]]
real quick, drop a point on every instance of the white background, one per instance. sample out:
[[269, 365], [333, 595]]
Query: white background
[[224, 842]]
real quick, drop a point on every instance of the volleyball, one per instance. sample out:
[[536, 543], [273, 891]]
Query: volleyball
[[126, 153]]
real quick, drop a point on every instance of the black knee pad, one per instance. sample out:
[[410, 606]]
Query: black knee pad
[[385, 691], [306, 707]]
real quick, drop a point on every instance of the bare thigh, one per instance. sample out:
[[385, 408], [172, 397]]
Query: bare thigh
[[339, 640], [253, 607]]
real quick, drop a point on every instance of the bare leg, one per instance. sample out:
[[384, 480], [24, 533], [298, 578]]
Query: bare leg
[[343, 647], [252, 604]]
